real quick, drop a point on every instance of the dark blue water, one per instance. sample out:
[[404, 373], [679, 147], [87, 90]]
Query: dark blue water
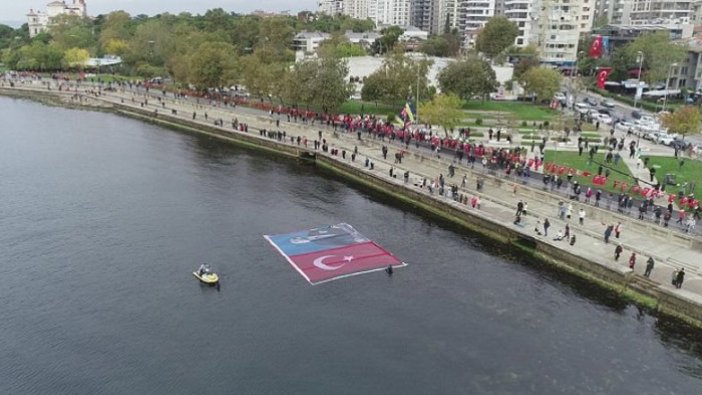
[[103, 219]]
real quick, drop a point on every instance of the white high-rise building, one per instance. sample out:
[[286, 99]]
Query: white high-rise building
[[331, 7], [389, 12], [356, 8], [39, 21], [556, 26], [654, 12]]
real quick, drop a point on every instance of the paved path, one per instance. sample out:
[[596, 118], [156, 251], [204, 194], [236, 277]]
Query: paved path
[[499, 196]]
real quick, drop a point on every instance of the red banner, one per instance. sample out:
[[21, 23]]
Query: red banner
[[602, 75], [596, 48]]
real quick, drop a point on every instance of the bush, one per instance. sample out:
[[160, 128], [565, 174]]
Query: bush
[[524, 123], [391, 117], [479, 121], [545, 123]]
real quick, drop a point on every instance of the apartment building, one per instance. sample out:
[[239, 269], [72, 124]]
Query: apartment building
[[434, 16], [356, 8], [650, 12], [331, 7], [472, 15], [389, 12], [556, 26]]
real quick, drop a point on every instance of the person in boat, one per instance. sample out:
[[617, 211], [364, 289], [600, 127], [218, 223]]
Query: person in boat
[[203, 269]]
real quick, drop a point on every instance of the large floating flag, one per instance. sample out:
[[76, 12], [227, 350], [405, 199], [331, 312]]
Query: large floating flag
[[332, 252]]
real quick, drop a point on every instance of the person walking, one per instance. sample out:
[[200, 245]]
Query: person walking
[[617, 252], [649, 266], [681, 216], [569, 210], [632, 260], [680, 278], [547, 225], [617, 229], [607, 233], [537, 228], [520, 208], [581, 216], [674, 278], [524, 209]]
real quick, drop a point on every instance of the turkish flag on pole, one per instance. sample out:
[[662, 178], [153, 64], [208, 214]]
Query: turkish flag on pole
[[596, 47], [602, 75]]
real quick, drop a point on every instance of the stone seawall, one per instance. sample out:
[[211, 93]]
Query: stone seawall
[[634, 288], [631, 287]]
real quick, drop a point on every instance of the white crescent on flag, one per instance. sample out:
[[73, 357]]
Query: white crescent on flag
[[319, 262]]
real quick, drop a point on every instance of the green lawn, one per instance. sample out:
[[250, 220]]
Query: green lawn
[[521, 110], [690, 172], [572, 159], [358, 107]]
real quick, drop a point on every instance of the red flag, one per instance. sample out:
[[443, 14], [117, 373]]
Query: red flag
[[596, 47], [602, 75], [324, 265]]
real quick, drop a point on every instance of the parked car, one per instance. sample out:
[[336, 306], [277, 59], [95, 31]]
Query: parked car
[[624, 126], [590, 101], [560, 97], [663, 138], [603, 118], [636, 114], [607, 103], [648, 119], [582, 108]]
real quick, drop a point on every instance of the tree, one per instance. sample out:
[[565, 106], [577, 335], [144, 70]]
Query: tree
[[525, 64], [115, 33], [498, 34], [76, 57], [398, 79], [320, 82], [38, 56], [659, 53], [443, 110], [683, 121], [339, 45], [468, 78], [263, 79], [445, 45], [387, 41], [72, 31], [212, 65], [542, 82]]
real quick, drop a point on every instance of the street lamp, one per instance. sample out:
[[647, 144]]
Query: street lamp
[[665, 98], [639, 60]]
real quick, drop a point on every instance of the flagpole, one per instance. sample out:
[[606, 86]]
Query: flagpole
[[416, 105], [640, 59]]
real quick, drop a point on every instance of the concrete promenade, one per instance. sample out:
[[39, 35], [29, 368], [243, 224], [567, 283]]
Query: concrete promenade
[[498, 196]]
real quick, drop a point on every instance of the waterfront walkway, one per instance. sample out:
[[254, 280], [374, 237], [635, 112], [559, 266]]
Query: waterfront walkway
[[499, 195]]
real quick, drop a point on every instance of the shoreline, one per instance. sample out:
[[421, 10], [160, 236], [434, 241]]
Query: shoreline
[[628, 286]]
